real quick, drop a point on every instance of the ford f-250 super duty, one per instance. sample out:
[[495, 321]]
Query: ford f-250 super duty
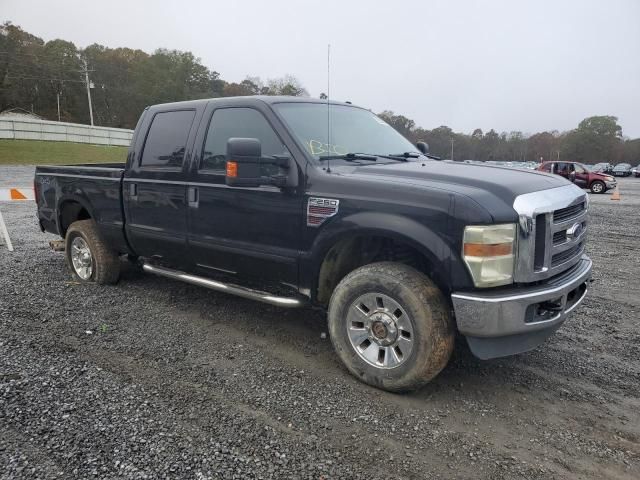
[[298, 202]]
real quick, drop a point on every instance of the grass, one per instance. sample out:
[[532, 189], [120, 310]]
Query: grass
[[36, 152]]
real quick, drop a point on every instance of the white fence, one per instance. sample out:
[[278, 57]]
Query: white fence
[[32, 129]]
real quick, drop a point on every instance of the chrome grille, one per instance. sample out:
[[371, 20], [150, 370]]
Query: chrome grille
[[562, 257], [560, 237], [553, 225], [564, 214]]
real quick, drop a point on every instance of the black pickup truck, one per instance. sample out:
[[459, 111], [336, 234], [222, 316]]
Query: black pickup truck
[[299, 202]]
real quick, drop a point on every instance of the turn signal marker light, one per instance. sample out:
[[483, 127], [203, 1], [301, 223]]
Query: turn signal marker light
[[232, 169], [487, 250]]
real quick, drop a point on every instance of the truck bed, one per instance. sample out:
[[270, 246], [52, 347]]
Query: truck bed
[[112, 170], [92, 188]]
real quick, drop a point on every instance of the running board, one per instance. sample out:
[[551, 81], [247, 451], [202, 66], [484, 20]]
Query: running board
[[288, 302]]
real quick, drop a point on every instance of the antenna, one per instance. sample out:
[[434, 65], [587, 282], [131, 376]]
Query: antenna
[[328, 105]]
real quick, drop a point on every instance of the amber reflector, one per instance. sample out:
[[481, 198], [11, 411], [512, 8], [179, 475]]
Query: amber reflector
[[232, 169], [487, 250]]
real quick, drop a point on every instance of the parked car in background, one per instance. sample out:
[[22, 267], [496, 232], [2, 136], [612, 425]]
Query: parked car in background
[[636, 171], [580, 175], [622, 170], [603, 167]]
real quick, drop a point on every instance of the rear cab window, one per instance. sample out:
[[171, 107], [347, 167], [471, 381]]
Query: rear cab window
[[166, 141]]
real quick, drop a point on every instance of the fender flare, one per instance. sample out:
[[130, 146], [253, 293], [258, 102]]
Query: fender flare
[[71, 198], [403, 229]]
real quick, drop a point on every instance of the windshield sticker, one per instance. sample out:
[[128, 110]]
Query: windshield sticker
[[317, 147]]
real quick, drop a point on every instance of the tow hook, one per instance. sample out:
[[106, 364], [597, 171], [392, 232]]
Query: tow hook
[[550, 306]]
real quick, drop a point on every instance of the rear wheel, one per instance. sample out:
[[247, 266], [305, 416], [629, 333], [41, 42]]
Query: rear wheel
[[391, 327], [598, 187], [88, 257]]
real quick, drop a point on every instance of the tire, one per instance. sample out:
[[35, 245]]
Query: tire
[[597, 187], [405, 301], [94, 260]]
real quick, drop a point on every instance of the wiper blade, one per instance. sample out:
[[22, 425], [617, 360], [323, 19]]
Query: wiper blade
[[406, 155], [415, 155], [349, 157]]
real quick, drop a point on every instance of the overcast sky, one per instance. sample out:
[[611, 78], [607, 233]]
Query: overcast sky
[[510, 65]]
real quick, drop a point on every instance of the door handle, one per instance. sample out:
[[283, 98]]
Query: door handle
[[133, 190], [192, 196]]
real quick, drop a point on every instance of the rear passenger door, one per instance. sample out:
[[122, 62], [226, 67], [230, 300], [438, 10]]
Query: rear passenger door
[[562, 169], [249, 232], [155, 187]]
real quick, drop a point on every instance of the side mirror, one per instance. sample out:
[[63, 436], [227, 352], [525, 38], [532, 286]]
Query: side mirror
[[245, 161], [423, 147]]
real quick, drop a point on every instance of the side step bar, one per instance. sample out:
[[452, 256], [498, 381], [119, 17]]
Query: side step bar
[[288, 302]]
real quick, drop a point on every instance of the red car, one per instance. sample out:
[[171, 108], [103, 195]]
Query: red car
[[580, 175]]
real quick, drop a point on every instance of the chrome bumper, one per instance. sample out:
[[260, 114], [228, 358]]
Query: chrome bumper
[[611, 185], [507, 322]]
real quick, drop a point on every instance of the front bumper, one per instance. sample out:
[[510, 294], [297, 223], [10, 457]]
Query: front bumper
[[611, 185], [510, 321]]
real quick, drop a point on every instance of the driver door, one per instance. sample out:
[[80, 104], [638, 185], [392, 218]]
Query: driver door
[[243, 231], [582, 177]]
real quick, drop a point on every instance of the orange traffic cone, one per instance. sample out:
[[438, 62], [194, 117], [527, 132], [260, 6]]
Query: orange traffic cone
[[616, 194]]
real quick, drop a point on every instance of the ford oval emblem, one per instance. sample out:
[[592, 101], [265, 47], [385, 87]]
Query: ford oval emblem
[[574, 231]]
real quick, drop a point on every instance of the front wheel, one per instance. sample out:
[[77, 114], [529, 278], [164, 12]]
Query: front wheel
[[88, 256], [598, 187], [391, 327]]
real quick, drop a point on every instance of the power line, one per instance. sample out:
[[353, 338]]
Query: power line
[[26, 77]]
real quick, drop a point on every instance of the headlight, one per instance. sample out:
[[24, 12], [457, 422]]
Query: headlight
[[609, 179], [488, 251]]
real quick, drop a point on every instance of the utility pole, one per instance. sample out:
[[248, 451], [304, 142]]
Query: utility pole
[[58, 101], [86, 79], [451, 148]]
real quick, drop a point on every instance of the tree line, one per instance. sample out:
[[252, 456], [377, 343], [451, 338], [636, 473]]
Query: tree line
[[595, 139], [49, 79], [38, 76]]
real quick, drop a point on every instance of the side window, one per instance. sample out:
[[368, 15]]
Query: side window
[[546, 167], [579, 169], [561, 168], [227, 123], [167, 139]]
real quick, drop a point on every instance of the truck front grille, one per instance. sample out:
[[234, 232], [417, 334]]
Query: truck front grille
[[560, 237], [553, 225], [564, 214], [562, 257]]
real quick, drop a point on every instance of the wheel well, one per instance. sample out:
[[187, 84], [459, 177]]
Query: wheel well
[[354, 252], [70, 212]]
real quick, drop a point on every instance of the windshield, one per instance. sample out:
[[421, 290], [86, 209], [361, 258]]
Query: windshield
[[353, 130]]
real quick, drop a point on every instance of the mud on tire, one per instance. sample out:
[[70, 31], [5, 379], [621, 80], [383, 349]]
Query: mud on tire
[[105, 263], [433, 333]]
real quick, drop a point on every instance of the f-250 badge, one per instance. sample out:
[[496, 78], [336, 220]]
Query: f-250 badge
[[319, 209]]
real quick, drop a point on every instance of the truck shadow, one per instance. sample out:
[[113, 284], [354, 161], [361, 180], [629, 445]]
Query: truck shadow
[[296, 336]]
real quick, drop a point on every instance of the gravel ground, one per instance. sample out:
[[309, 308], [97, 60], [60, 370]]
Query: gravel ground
[[153, 378]]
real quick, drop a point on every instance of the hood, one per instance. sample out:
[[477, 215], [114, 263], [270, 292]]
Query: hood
[[600, 175], [492, 188], [506, 183]]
